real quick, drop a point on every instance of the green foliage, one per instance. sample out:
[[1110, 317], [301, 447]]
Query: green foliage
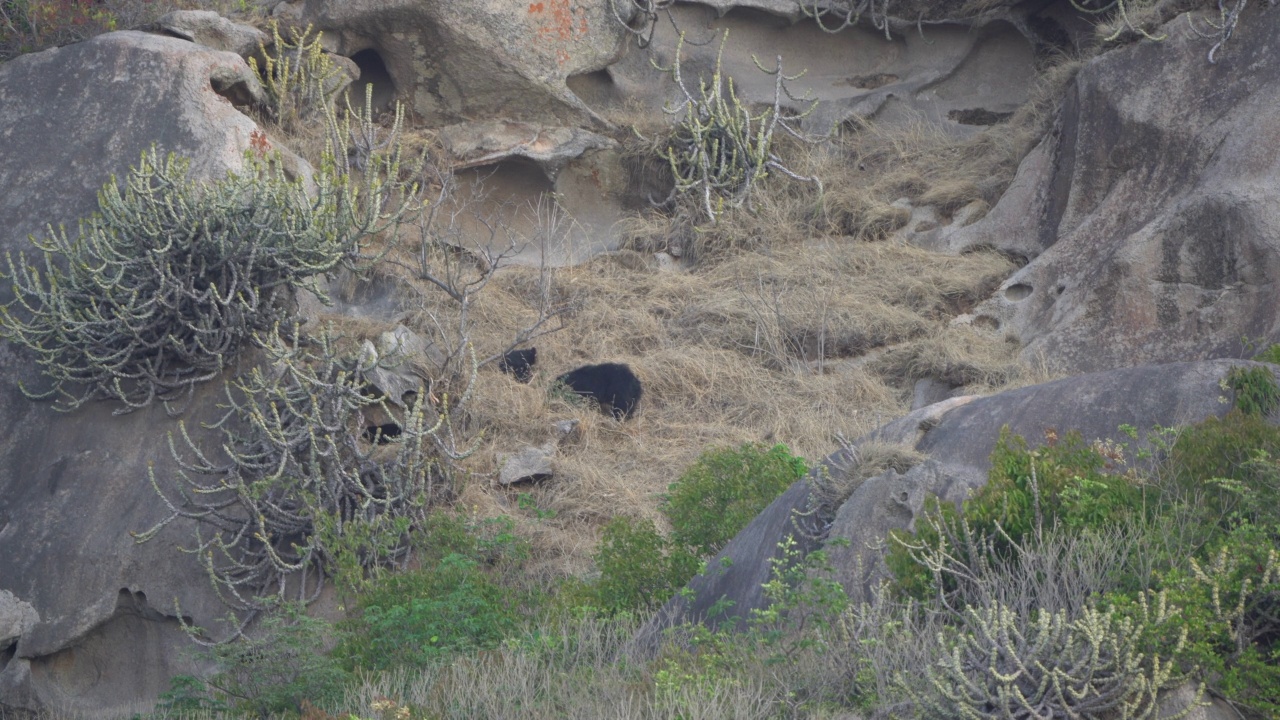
[[1255, 389], [804, 602], [721, 150], [420, 617], [724, 490], [1269, 354], [188, 694], [453, 603], [1065, 483], [1227, 629], [283, 663], [32, 25], [164, 284], [1225, 469], [639, 568]]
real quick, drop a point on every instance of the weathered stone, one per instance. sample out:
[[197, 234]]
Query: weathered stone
[[957, 435], [72, 117], [16, 618], [527, 465], [519, 165], [73, 486], [208, 28], [535, 463], [491, 58], [981, 64], [1149, 215], [489, 143]]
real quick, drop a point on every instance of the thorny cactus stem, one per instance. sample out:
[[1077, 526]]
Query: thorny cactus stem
[[159, 290], [722, 151], [1059, 667], [296, 473], [296, 73]]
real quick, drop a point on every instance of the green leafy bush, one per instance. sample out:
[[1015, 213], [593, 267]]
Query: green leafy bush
[[1270, 354], [1255, 389], [1065, 484], [724, 490], [1225, 470], [1226, 628], [32, 25], [281, 664], [454, 602], [639, 568]]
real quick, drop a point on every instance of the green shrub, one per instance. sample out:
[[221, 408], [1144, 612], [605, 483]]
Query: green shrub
[[281, 664], [724, 490], [1064, 484], [32, 25], [1255, 389], [1271, 354], [639, 568], [1227, 626], [454, 603], [1225, 469]]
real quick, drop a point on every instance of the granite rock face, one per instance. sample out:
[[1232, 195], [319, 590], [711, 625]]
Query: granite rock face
[[77, 594], [1148, 217], [957, 436]]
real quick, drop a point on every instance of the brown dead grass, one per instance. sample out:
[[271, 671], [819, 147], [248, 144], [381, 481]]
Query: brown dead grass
[[799, 323], [728, 353]]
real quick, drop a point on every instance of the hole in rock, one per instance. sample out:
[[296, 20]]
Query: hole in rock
[[373, 71], [382, 434], [986, 322], [978, 116], [1017, 292], [595, 88]]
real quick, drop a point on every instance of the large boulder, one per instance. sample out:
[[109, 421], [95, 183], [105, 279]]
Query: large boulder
[[93, 612], [1150, 214], [957, 436], [476, 60], [958, 75]]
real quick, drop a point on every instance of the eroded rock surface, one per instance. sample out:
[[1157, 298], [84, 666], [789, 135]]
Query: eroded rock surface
[[957, 435], [103, 640], [452, 61], [1149, 215]]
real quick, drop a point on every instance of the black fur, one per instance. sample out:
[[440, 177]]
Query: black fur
[[519, 363], [613, 385], [382, 434]]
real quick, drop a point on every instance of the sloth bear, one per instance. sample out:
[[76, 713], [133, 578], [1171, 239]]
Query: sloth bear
[[382, 434], [612, 385], [519, 363]]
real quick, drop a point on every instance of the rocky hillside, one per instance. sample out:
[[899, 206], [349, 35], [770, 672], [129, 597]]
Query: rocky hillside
[[976, 215]]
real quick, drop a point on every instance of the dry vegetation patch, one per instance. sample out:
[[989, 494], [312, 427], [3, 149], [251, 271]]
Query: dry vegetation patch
[[781, 345]]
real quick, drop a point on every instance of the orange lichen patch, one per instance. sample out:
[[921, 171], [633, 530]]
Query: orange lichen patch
[[259, 143], [560, 22]]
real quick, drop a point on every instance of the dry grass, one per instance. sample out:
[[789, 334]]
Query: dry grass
[[796, 324], [770, 347]]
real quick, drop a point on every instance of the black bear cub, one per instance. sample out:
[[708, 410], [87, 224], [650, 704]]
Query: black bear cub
[[612, 385], [519, 363]]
